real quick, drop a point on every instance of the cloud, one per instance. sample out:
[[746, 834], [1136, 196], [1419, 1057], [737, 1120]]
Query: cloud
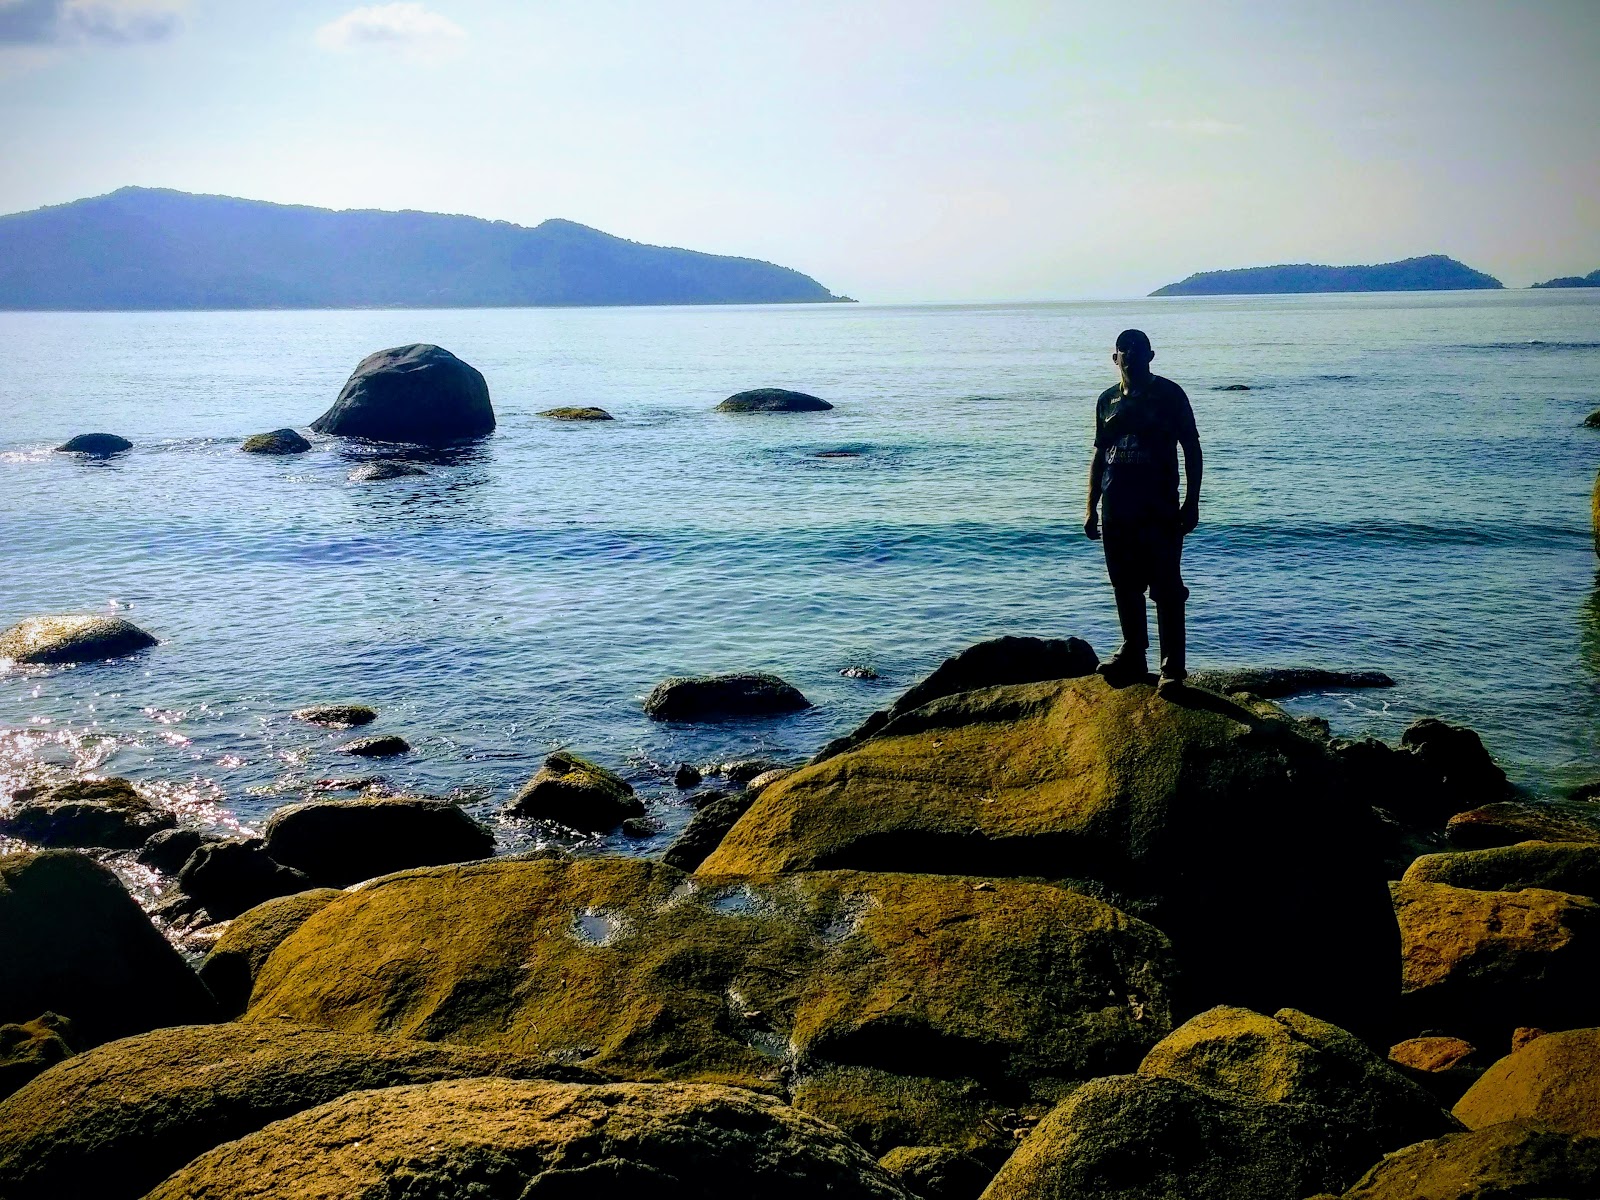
[[404, 28], [1203, 126], [113, 22]]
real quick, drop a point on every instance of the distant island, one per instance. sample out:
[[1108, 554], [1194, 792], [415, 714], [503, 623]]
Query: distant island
[[1431, 273], [151, 248], [1592, 279]]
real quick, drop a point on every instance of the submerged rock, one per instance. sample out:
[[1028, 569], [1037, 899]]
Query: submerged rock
[[105, 813], [1554, 1079], [279, 441], [231, 875], [72, 638], [1514, 1159], [722, 697], [231, 966], [686, 776], [336, 716], [417, 393], [772, 400], [1558, 866], [383, 745], [577, 414], [27, 1048], [373, 472], [1272, 683], [577, 793], [95, 445], [340, 842]]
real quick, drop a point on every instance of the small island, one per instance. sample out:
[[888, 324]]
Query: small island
[[1592, 279], [1430, 273]]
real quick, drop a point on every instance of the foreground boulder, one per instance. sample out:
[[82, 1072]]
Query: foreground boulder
[[106, 813], [416, 393], [340, 842], [1559, 866], [1224, 820], [28, 1048], [114, 1122], [1515, 1159], [772, 400], [722, 697], [231, 966], [279, 441], [95, 445], [230, 875], [72, 941], [577, 793], [1554, 1079], [541, 1139], [72, 638], [577, 414]]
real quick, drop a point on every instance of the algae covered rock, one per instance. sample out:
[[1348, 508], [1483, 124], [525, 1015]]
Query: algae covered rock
[[1558, 866], [279, 441], [772, 400], [72, 638], [504, 1137], [228, 876], [105, 813], [231, 966], [1432, 1052], [30, 1047], [722, 697], [95, 445], [1507, 822], [383, 745], [1554, 1079], [336, 716], [72, 941], [577, 793], [577, 414], [340, 842], [1514, 1159], [937, 1172], [115, 1121], [417, 393], [706, 829]]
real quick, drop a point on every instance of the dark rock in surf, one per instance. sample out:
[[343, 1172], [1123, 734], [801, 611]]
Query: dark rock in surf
[[169, 849], [722, 697], [336, 716], [103, 813], [706, 829], [279, 441], [417, 393], [686, 776], [577, 793], [228, 877], [374, 472], [95, 445], [1233, 387], [1592, 421], [385, 745], [340, 842], [857, 671], [577, 414], [72, 638], [1272, 683], [772, 400]]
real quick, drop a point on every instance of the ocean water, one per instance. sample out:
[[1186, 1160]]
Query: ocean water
[[1404, 486]]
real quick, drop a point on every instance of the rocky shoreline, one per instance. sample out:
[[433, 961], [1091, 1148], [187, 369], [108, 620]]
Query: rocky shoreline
[[1022, 934]]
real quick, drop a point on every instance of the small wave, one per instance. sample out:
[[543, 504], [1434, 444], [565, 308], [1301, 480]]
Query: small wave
[[1530, 344]]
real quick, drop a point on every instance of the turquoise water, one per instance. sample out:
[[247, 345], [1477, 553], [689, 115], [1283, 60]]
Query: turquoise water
[[1404, 486]]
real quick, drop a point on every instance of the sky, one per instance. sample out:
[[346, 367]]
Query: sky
[[897, 150]]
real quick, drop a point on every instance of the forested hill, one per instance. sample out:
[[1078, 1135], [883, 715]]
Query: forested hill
[[1592, 279], [145, 248], [1431, 273]]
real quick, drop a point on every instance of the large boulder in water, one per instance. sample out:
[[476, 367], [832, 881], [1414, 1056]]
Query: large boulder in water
[[116, 1121], [72, 941], [416, 393], [1226, 820], [505, 1137], [722, 697], [72, 638], [103, 813], [772, 400], [340, 842], [577, 793], [95, 445]]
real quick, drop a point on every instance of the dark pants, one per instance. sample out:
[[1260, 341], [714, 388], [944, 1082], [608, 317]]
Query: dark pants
[[1145, 556]]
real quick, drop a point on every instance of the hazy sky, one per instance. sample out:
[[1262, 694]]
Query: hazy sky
[[916, 150]]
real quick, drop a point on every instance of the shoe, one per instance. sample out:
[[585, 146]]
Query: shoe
[[1125, 666], [1170, 685]]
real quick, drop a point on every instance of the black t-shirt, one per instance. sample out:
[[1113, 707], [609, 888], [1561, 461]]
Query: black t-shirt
[[1139, 433]]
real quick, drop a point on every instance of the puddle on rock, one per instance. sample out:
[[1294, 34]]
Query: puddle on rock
[[596, 927]]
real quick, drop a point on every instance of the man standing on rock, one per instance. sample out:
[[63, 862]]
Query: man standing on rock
[[1133, 483]]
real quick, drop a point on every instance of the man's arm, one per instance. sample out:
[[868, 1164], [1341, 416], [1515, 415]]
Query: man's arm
[[1091, 524], [1193, 469]]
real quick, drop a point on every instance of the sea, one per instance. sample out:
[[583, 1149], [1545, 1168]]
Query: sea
[[1397, 481]]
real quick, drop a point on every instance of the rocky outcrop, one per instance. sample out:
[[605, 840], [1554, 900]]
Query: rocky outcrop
[[1437, 769], [722, 697], [772, 400], [383, 745], [105, 813], [937, 1172], [374, 472], [1271, 683], [95, 445], [72, 638], [1554, 1080], [577, 793], [279, 441], [72, 941], [1225, 820], [340, 842], [336, 716], [541, 1139], [577, 414], [1517, 1158], [231, 966], [1557, 866], [706, 829], [416, 393], [114, 1122], [228, 876], [28, 1048], [1505, 823]]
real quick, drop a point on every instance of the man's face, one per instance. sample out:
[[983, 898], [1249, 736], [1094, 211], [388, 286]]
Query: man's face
[[1132, 363]]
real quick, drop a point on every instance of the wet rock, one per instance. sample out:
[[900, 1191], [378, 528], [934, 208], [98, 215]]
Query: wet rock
[[1592, 421], [1481, 963], [72, 941], [1271, 683], [1554, 1079], [1232, 387], [336, 716], [374, 472], [416, 393], [28, 1048], [686, 776], [72, 638], [1514, 1159], [1188, 806], [767, 779], [1435, 1053], [1003, 660], [747, 770], [340, 842], [169, 849], [231, 875], [857, 671], [95, 445], [112, 1123], [1506, 823], [708, 797], [231, 966], [722, 697], [937, 1172], [541, 1139], [384, 745], [577, 793], [772, 400], [279, 441], [577, 414], [106, 813], [640, 827], [1455, 754], [1557, 866], [706, 829]]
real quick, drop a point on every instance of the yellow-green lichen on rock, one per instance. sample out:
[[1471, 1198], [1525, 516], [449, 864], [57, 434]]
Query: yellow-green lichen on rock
[[1554, 1079], [230, 968]]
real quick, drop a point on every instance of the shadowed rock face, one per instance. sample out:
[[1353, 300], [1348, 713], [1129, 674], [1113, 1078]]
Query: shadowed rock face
[[446, 1140], [416, 393], [340, 842], [722, 697], [95, 445], [1516, 1158], [28, 1048], [230, 969], [105, 813], [279, 441], [71, 638], [772, 400], [229, 876], [1554, 1079], [1572, 867]]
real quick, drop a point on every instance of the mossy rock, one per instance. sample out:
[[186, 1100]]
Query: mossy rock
[[1433, 1053], [231, 966], [577, 414], [95, 445], [1572, 867], [881, 1110], [1226, 819], [382, 745], [29, 1047], [339, 842], [503, 1137], [72, 638], [104, 813], [336, 716], [632, 968], [772, 400], [1513, 1159], [722, 697], [577, 793], [114, 1122], [937, 1172], [1507, 822], [72, 941], [279, 441], [1554, 1079]]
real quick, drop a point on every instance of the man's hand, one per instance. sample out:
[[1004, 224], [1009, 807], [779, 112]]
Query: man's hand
[[1091, 526], [1188, 517]]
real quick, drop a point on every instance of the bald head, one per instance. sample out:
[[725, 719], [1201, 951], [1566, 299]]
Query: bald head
[[1132, 356]]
